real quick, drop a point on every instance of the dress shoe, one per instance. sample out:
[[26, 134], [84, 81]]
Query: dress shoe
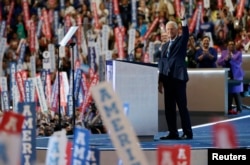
[[186, 137], [170, 137]]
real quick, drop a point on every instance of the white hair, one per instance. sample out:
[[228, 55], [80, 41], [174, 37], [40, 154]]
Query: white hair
[[172, 23]]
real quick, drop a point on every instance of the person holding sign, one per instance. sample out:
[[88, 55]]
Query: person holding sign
[[173, 78]]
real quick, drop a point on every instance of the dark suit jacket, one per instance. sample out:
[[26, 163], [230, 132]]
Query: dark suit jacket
[[174, 66]]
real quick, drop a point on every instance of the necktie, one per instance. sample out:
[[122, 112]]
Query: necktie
[[169, 45]]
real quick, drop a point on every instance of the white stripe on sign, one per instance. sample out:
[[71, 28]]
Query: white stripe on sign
[[41, 96], [120, 130]]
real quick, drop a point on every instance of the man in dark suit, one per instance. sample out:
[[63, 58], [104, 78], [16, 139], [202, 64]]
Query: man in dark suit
[[173, 78]]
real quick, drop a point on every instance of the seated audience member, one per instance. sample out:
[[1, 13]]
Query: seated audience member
[[232, 59], [206, 56]]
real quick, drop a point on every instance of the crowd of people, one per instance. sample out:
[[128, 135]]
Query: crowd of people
[[221, 23]]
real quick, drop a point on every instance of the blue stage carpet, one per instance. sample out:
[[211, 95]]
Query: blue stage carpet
[[203, 136]]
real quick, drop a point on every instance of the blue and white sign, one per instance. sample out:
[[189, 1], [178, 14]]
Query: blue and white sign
[[28, 154], [80, 146], [121, 131]]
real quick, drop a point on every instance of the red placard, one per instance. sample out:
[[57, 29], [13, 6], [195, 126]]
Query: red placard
[[10, 12], [146, 58], [152, 26], [32, 36], [177, 154], [26, 13], [119, 42], [240, 9], [116, 7], [46, 24], [51, 16], [177, 6], [48, 89], [79, 30], [69, 152], [20, 85], [97, 25], [224, 135], [12, 122], [220, 4], [193, 21]]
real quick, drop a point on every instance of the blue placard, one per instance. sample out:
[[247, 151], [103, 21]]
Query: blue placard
[[80, 146], [22, 53], [134, 14], [2, 28], [70, 105], [56, 22], [5, 101], [93, 156], [92, 58], [44, 78], [27, 89], [13, 69], [80, 97], [110, 16], [28, 151], [77, 82]]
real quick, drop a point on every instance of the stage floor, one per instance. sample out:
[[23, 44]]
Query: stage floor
[[203, 140]]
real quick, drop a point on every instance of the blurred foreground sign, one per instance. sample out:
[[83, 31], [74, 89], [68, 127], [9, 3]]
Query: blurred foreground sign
[[120, 130], [174, 155], [10, 138]]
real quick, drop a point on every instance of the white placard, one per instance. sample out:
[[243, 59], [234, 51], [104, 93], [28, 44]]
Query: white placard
[[51, 48], [3, 42], [62, 51], [68, 36], [56, 149], [4, 86], [46, 60], [206, 4], [84, 45], [131, 41], [151, 51], [60, 33], [65, 84], [105, 37], [229, 4], [32, 88], [97, 48], [108, 55], [33, 66], [16, 96], [121, 131], [41, 96]]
